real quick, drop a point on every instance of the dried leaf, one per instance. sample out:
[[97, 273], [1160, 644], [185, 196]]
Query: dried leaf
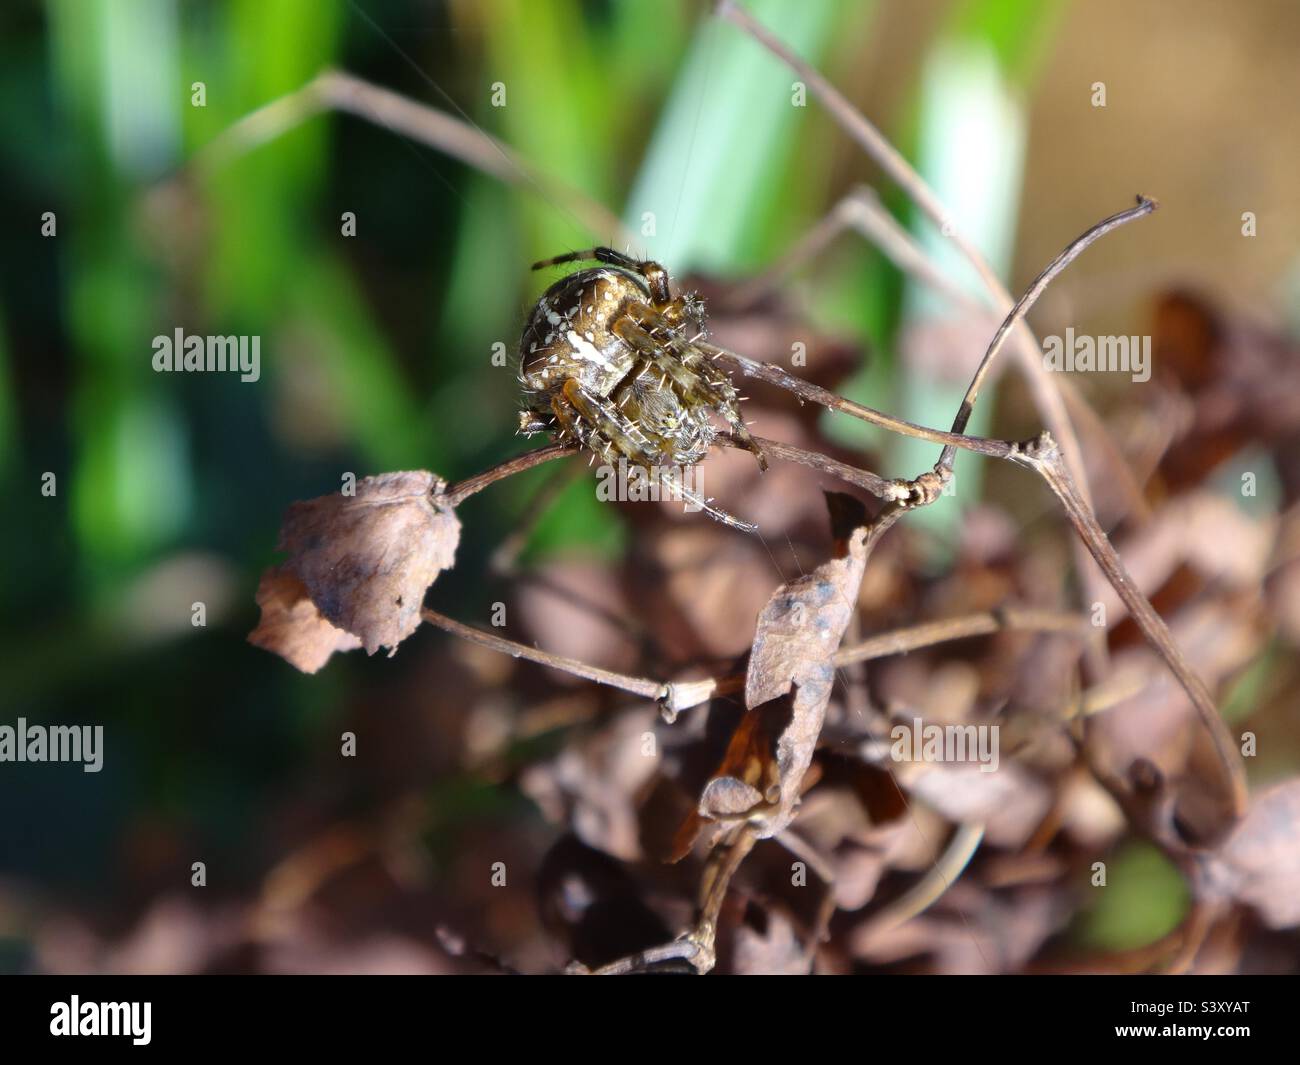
[[594, 784], [1193, 802], [1207, 532], [1240, 378], [746, 779], [798, 633], [728, 797], [775, 950], [1012, 801], [368, 559], [1262, 857], [292, 627], [762, 774], [971, 931]]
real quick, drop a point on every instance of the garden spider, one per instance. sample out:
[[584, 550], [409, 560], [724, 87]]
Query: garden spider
[[608, 360]]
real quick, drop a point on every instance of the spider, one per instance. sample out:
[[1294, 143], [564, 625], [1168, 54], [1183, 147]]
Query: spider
[[609, 360]]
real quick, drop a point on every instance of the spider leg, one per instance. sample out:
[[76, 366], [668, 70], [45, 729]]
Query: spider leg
[[615, 432], [682, 363], [569, 423], [531, 422], [674, 362], [655, 275], [614, 429], [600, 255], [706, 505]]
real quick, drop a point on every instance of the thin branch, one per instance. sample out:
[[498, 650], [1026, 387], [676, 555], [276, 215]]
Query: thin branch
[[1027, 300], [684, 949], [931, 887], [774, 375], [462, 490], [878, 486], [682, 695], [859, 210], [699, 945], [642, 686], [723, 862], [1046, 397], [1044, 458], [338, 91], [1008, 619]]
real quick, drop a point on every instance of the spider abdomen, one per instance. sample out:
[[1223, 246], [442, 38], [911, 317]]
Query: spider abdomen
[[570, 331]]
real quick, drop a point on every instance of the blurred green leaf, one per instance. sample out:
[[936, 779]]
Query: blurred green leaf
[[1144, 899]]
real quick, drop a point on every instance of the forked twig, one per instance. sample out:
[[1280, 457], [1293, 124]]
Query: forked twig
[[881, 487], [699, 945], [1026, 301], [675, 696], [1046, 397], [774, 375], [1045, 457]]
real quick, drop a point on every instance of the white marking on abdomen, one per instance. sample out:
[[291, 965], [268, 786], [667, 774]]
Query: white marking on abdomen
[[587, 350]]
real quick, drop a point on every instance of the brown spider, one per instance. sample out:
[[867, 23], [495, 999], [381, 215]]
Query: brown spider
[[608, 360]]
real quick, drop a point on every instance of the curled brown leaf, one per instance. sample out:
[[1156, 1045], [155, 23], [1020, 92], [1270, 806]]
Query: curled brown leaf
[[365, 562], [798, 633], [292, 627], [1259, 863]]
